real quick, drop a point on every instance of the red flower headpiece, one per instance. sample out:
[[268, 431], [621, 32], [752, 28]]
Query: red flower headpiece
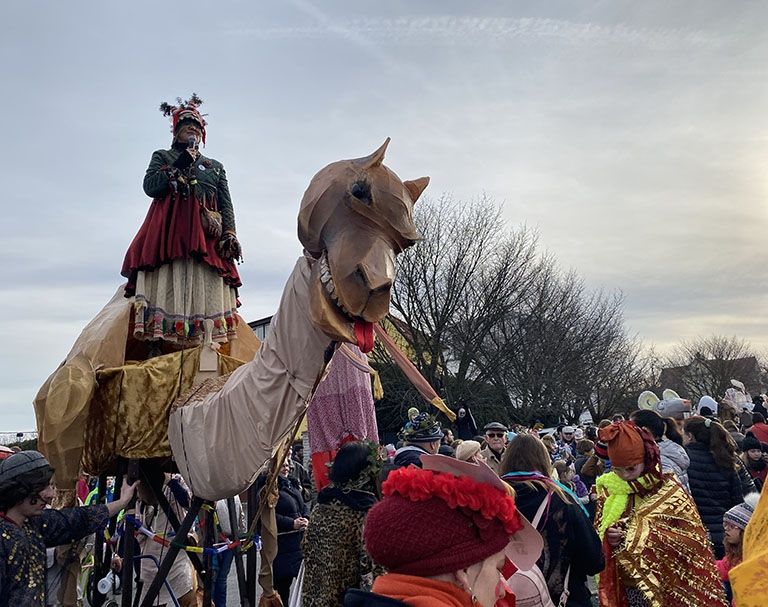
[[480, 501], [184, 110]]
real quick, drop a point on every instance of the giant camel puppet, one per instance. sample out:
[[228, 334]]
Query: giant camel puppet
[[98, 407]]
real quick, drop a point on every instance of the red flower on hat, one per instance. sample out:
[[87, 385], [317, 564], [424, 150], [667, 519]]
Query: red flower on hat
[[483, 502]]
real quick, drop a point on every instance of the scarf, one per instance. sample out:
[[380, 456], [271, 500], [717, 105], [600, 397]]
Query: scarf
[[545, 480], [421, 592], [358, 500], [614, 493]]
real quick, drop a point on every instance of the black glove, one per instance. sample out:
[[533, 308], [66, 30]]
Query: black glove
[[184, 160]]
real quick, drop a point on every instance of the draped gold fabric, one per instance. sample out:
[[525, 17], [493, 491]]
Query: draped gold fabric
[[70, 405], [666, 552], [749, 580], [61, 404], [130, 407]]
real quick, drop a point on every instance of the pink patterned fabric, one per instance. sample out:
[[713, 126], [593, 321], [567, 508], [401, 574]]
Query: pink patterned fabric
[[342, 406]]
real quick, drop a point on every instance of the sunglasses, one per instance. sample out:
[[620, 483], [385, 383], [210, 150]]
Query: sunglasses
[[494, 434]]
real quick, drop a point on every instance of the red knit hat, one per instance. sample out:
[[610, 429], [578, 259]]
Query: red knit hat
[[184, 110], [430, 523]]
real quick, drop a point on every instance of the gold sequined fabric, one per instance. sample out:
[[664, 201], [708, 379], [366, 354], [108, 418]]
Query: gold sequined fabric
[[130, 407], [666, 554]]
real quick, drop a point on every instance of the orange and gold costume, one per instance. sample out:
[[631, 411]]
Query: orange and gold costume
[[665, 555]]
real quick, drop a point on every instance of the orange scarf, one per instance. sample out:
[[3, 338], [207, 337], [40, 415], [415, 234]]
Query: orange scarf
[[421, 592]]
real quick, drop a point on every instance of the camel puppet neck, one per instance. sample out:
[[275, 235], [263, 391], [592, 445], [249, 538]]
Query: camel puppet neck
[[221, 441]]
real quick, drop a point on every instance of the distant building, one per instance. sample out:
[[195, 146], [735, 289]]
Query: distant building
[[14, 437], [746, 370], [261, 327]]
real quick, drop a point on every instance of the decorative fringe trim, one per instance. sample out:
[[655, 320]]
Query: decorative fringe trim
[[378, 389]]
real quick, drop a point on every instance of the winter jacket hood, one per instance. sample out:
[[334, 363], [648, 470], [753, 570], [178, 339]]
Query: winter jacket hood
[[674, 458]]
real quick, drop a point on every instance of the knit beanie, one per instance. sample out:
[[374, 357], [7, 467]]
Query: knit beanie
[[625, 444], [430, 523], [601, 450], [750, 442], [740, 515], [467, 449]]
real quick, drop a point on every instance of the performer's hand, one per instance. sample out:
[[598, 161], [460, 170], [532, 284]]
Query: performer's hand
[[614, 536], [300, 523], [116, 564], [126, 495], [229, 247]]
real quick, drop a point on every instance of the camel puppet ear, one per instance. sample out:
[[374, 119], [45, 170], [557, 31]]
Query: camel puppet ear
[[416, 187], [375, 159]]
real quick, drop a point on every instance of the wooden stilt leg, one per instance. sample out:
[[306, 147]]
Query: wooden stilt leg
[[208, 541], [126, 597], [173, 551], [251, 562], [234, 526]]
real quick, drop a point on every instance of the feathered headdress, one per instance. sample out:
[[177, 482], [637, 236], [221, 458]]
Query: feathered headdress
[[184, 110]]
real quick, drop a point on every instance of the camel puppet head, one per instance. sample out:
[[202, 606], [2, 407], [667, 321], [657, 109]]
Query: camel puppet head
[[355, 217]]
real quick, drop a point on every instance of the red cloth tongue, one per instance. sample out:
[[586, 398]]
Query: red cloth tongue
[[364, 335]]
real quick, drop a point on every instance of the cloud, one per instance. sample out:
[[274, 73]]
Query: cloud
[[491, 31]]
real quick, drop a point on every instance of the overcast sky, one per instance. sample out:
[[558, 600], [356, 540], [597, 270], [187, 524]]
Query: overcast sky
[[632, 135]]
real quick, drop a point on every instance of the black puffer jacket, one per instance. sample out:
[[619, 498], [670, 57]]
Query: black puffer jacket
[[714, 490], [290, 506]]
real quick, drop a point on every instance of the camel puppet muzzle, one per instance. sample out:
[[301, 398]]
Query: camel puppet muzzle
[[355, 217]]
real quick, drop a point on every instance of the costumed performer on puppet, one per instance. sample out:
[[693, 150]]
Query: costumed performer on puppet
[[656, 547], [181, 264]]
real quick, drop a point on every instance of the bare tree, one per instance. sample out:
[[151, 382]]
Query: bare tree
[[468, 271], [490, 321], [465, 274], [563, 350], [706, 365]]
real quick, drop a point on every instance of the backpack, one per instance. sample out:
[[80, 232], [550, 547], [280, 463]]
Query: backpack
[[530, 587]]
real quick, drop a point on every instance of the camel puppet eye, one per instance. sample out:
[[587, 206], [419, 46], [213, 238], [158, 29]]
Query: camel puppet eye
[[361, 189]]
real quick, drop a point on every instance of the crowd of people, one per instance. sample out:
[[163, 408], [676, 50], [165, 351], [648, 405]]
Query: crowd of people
[[641, 511]]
